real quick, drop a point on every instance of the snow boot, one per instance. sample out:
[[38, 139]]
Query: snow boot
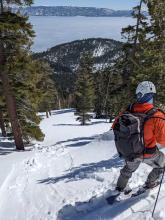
[[151, 185], [126, 191], [146, 188]]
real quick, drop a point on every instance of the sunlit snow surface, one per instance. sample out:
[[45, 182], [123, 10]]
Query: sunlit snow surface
[[72, 165], [52, 30]]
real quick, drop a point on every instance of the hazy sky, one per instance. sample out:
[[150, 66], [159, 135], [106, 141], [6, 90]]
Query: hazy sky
[[113, 4]]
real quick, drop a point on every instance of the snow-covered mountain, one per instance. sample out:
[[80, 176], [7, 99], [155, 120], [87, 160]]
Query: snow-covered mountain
[[53, 179], [65, 58], [73, 11]]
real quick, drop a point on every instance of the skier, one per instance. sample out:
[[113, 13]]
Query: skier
[[151, 122]]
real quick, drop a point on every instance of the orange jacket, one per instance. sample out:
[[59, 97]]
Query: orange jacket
[[154, 128]]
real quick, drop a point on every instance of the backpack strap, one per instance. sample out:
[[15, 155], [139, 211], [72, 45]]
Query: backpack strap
[[130, 108], [151, 112]]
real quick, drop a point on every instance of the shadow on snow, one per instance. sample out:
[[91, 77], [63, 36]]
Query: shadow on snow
[[84, 171], [63, 111], [78, 125], [78, 144], [99, 209], [81, 141], [6, 148], [77, 140], [56, 112]]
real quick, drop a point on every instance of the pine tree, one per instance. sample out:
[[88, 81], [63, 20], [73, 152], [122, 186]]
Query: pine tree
[[2, 113], [133, 48], [108, 88], [24, 76], [155, 53], [117, 83], [152, 54], [84, 94], [99, 93], [15, 32], [2, 124], [114, 94], [25, 82], [144, 51], [49, 93], [34, 91]]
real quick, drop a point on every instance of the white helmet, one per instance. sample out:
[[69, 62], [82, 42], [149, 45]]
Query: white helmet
[[145, 87]]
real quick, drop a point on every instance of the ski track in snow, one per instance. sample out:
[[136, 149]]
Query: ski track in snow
[[71, 166]]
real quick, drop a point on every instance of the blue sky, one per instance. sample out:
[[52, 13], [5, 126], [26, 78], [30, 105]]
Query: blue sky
[[113, 4]]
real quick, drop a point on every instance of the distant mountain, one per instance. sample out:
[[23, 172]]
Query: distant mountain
[[73, 11], [64, 59]]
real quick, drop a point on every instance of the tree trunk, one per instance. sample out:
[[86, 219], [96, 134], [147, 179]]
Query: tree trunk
[[111, 119], [137, 29], [10, 103], [47, 114], [98, 112], [59, 103], [83, 119], [2, 125]]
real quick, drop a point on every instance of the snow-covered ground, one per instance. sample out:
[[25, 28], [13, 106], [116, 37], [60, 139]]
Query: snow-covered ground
[[72, 165]]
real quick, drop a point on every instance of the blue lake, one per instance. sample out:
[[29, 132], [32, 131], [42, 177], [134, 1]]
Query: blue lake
[[51, 30]]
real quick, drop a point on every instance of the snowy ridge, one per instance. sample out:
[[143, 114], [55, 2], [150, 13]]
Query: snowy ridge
[[72, 11], [65, 58], [72, 165]]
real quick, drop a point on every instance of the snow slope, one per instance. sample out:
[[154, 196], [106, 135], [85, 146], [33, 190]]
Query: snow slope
[[73, 164]]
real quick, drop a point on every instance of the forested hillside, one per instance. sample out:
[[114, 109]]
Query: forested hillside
[[64, 59]]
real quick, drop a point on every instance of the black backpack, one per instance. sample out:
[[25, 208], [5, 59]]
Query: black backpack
[[129, 133]]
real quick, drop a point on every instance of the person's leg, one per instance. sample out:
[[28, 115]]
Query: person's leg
[[126, 173], [158, 164]]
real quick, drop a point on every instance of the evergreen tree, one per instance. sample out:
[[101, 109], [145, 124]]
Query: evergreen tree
[[2, 123], [84, 94], [34, 91], [49, 93], [113, 92], [154, 52], [99, 93], [15, 32], [24, 76], [135, 35], [144, 52], [25, 82], [150, 57], [117, 81], [108, 89], [2, 113]]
